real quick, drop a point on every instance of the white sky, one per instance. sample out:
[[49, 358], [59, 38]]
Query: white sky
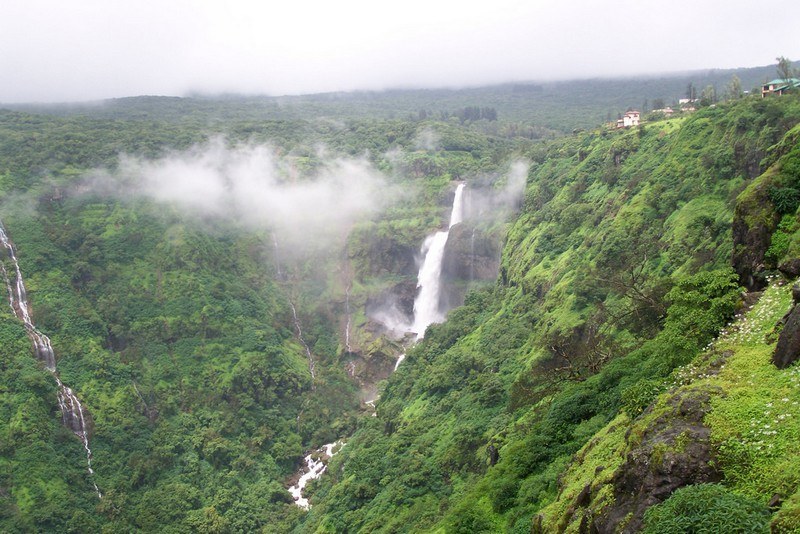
[[65, 50]]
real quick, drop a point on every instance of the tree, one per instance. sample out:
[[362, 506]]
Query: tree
[[691, 92], [733, 90], [785, 69], [708, 96]]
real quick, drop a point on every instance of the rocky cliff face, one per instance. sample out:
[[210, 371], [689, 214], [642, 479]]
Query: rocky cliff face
[[471, 255], [754, 222], [787, 351], [671, 452]]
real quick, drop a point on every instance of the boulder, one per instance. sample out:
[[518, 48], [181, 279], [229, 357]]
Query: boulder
[[787, 351], [674, 452], [790, 268]]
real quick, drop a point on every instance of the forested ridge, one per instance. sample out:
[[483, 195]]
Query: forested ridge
[[616, 370], [616, 279]]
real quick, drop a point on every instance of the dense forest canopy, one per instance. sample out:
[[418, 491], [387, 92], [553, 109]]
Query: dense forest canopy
[[215, 276]]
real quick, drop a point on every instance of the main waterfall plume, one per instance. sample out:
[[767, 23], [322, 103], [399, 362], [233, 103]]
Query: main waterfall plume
[[429, 280]]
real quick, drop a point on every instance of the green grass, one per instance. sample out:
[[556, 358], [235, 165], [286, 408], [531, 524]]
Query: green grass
[[756, 424]]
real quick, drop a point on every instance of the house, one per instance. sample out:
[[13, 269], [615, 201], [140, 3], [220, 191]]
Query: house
[[631, 118], [666, 111], [779, 86]]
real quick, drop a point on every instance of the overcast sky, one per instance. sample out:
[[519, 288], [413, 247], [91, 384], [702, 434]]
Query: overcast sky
[[66, 50]]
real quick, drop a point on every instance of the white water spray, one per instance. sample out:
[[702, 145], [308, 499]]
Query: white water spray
[[316, 463], [72, 413], [426, 305], [426, 311]]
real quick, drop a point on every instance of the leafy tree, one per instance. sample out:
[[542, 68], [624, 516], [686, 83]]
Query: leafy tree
[[733, 90], [785, 69], [691, 92], [708, 96]]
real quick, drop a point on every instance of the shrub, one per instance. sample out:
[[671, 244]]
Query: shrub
[[706, 508], [785, 199], [638, 396]]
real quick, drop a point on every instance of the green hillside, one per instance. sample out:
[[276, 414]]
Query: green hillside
[[615, 278], [615, 373]]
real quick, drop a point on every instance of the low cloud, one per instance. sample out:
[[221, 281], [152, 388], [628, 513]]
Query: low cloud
[[255, 186], [494, 200], [427, 139]]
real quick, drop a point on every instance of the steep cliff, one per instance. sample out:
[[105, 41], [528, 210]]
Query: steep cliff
[[594, 380]]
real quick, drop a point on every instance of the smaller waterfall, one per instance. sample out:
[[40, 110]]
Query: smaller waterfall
[[72, 413], [316, 463], [278, 271], [311, 365], [348, 325], [426, 305]]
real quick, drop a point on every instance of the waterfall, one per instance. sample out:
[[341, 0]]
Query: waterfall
[[426, 311], [348, 325], [316, 463], [311, 365], [72, 412], [426, 305], [277, 257]]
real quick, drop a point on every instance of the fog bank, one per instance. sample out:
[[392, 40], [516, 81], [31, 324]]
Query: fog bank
[[254, 186]]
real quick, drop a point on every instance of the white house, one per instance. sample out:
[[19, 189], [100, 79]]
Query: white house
[[631, 118]]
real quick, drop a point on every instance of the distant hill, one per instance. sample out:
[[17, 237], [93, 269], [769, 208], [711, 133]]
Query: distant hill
[[561, 106]]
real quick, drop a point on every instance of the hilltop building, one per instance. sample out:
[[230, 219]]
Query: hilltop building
[[631, 118], [779, 86]]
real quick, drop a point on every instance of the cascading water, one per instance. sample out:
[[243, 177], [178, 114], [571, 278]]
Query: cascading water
[[426, 311], [295, 318], [278, 271], [72, 412], [316, 463], [347, 325], [311, 365], [426, 305]]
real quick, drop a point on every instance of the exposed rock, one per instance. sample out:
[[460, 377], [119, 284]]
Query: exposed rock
[[395, 304], [494, 454], [470, 255], [791, 267], [749, 299], [754, 222], [373, 363], [671, 452], [585, 496], [787, 351], [796, 293], [385, 256]]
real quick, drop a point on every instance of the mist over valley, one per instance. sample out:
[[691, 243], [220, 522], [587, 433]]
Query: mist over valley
[[517, 267]]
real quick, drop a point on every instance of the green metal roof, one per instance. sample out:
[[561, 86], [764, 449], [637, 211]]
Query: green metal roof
[[780, 81]]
